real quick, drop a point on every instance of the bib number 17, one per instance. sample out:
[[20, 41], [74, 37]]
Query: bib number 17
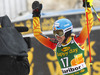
[[64, 61]]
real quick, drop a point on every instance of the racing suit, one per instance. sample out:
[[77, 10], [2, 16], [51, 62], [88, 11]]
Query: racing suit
[[70, 55]]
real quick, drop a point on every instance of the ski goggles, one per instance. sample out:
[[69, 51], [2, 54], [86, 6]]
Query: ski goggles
[[58, 33]]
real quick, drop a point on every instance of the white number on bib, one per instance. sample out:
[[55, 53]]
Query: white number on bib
[[66, 59]]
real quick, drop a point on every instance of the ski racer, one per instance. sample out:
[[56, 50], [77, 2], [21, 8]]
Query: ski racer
[[69, 48]]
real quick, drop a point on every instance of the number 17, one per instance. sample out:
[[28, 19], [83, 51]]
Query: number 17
[[62, 59]]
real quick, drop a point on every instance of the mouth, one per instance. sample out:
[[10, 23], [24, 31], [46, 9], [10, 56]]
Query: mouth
[[59, 40]]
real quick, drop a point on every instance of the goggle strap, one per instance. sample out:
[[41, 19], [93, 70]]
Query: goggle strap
[[68, 29]]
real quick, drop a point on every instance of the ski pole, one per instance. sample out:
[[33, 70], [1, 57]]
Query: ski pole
[[88, 32], [96, 13]]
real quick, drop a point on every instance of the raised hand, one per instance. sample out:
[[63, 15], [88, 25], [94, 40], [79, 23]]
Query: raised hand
[[87, 3], [37, 7]]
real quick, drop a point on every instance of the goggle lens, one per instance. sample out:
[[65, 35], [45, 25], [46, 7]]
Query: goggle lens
[[58, 32]]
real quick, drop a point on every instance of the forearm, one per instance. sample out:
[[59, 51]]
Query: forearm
[[38, 34], [84, 34], [36, 26]]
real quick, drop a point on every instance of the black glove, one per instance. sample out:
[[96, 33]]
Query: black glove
[[37, 7], [88, 3]]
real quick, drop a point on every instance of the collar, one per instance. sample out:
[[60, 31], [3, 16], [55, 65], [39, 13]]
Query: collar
[[67, 41]]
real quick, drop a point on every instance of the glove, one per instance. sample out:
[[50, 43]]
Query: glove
[[88, 3], [37, 7]]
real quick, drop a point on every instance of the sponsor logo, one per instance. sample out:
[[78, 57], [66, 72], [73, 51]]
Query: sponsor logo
[[66, 25], [56, 24], [65, 49], [71, 69]]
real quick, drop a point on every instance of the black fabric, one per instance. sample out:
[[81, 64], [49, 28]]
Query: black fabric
[[86, 4], [10, 65], [11, 41], [37, 7], [28, 41], [0, 20]]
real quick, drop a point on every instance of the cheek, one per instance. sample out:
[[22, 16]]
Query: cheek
[[63, 37]]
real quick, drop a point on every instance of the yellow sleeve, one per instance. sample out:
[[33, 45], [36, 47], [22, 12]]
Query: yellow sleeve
[[84, 34], [39, 36]]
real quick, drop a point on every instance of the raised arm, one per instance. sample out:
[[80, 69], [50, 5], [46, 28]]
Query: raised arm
[[46, 41], [84, 34]]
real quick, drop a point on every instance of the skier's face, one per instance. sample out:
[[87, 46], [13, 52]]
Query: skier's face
[[60, 38], [59, 34]]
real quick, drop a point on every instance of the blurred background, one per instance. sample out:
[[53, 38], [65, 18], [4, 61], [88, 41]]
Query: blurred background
[[43, 60], [17, 8]]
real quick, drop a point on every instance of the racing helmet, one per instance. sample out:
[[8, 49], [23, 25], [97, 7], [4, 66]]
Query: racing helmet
[[62, 26]]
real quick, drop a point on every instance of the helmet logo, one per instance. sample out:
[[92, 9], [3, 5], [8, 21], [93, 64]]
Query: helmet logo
[[54, 28], [66, 25], [56, 24]]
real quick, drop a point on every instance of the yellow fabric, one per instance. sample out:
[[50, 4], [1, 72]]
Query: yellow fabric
[[90, 2], [86, 73]]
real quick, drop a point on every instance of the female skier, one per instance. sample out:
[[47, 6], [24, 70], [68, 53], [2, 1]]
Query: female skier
[[69, 48]]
